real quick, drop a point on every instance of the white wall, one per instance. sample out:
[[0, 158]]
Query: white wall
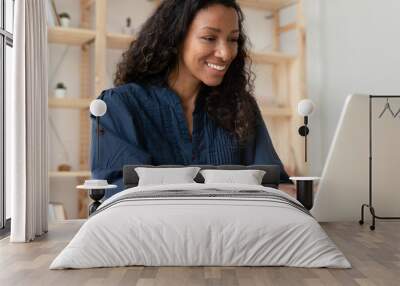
[[314, 72], [360, 48]]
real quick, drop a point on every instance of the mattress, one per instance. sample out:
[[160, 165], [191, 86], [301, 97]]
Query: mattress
[[201, 225]]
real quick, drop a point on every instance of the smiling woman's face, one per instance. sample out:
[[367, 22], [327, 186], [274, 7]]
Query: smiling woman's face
[[210, 45]]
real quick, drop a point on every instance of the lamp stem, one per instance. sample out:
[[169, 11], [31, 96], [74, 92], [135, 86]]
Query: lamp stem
[[305, 148], [305, 138], [98, 138]]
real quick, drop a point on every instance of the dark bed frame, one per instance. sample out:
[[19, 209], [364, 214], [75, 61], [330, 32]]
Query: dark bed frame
[[270, 179]]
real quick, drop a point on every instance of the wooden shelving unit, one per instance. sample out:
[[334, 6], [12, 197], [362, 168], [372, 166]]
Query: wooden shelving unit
[[288, 75], [271, 58], [80, 103], [70, 174], [271, 5], [118, 41], [70, 36], [285, 112]]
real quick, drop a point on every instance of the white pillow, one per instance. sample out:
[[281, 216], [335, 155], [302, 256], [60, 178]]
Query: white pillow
[[248, 177], [163, 176]]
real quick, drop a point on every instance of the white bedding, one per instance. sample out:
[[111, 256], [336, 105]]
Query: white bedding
[[200, 231]]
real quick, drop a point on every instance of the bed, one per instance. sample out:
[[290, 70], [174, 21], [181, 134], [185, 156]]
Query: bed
[[201, 224]]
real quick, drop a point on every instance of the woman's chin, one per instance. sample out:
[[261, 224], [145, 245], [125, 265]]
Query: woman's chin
[[213, 82]]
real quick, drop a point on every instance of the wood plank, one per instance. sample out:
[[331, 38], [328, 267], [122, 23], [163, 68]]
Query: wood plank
[[277, 36], [271, 57], [86, 85], [100, 49], [76, 102], [119, 41], [271, 5], [69, 174], [276, 111], [288, 27], [88, 4], [70, 36]]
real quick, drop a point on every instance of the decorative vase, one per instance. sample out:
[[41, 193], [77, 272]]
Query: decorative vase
[[65, 19], [60, 90]]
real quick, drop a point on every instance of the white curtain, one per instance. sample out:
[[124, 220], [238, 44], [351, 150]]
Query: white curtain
[[27, 121]]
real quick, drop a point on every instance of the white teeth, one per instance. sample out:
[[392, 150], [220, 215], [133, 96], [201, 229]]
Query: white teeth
[[219, 68]]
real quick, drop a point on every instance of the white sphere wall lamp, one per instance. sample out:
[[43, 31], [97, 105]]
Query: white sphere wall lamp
[[305, 108]]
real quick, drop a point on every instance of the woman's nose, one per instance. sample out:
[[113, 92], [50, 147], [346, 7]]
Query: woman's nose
[[224, 52]]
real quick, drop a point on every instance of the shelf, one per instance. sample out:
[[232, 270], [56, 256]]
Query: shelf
[[271, 5], [119, 41], [288, 27], [69, 174], [70, 36], [80, 103], [89, 4], [78, 36], [276, 111], [271, 58]]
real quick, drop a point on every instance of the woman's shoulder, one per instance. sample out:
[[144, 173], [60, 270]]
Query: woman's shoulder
[[129, 89], [125, 100], [150, 95]]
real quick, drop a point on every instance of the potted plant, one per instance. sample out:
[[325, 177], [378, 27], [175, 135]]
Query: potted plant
[[65, 19], [60, 90], [128, 29]]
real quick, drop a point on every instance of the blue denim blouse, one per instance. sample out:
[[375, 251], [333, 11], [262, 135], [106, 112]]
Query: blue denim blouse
[[147, 125]]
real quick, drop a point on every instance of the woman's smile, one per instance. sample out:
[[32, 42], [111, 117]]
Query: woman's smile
[[217, 69]]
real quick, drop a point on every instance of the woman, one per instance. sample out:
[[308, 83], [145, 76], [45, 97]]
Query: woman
[[183, 95]]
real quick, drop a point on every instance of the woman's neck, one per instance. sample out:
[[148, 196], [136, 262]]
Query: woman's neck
[[185, 86]]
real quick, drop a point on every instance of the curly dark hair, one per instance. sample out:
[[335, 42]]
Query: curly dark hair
[[154, 54]]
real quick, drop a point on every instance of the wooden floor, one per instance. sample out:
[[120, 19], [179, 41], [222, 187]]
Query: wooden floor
[[375, 257]]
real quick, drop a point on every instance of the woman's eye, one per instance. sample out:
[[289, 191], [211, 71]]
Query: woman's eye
[[212, 39], [209, 39]]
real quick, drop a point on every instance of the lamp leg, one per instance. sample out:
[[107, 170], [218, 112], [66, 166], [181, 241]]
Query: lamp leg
[[305, 148], [96, 195], [98, 137], [303, 131], [304, 193]]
